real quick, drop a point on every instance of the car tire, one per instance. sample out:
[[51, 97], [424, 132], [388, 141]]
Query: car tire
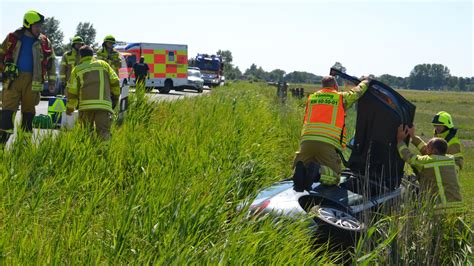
[[337, 224], [167, 88], [200, 90]]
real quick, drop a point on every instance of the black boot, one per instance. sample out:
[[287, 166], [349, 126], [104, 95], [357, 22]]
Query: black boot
[[313, 171], [27, 121], [6, 125], [298, 177]]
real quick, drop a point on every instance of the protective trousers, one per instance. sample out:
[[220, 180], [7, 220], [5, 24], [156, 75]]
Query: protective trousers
[[101, 119], [19, 92], [323, 153]]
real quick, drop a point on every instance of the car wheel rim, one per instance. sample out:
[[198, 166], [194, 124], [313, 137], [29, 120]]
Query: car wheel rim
[[339, 218]]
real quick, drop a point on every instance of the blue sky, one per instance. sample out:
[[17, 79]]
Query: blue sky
[[367, 37]]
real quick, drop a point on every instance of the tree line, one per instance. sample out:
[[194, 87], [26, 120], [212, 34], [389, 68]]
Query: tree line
[[422, 77], [429, 77]]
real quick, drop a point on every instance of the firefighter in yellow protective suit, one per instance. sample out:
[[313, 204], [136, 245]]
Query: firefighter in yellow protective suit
[[94, 87], [444, 128], [435, 170], [69, 60], [109, 54], [26, 62], [323, 134]]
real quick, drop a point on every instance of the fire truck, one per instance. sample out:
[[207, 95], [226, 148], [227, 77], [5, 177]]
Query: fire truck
[[168, 63], [211, 67]]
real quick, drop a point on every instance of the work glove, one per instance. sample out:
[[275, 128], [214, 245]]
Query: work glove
[[368, 79], [11, 71], [329, 180]]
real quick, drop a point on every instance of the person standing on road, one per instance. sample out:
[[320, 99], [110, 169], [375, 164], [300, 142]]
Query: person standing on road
[[109, 54], [94, 87], [323, 134], [141, 72], [69, 60], [26, 61], [444, 128]]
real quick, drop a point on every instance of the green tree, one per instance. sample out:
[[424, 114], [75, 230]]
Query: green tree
[[230, 72], [53, 32], [302, 77], [452, 83], [87, 31], [276, 75], [429, 76], [462, 84], [254, 72], [226, 56], [393, 81]]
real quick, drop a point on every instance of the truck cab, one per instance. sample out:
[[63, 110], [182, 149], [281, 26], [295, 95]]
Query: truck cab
[[211, 67]]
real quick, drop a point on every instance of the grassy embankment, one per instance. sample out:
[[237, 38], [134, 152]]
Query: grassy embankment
[[165, 189]]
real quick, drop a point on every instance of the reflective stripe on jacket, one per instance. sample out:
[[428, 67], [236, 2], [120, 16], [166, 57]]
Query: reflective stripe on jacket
[[112, 58], [437, 176], [454, 147], [68, 62], [324, 118], [93, 83]]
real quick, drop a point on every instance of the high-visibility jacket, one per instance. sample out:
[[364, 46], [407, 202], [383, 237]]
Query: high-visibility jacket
[[112, 58], [454, 146], [94, 85], [68, 62], [324, 118], [325, 114], [44, 65], [437, 177]]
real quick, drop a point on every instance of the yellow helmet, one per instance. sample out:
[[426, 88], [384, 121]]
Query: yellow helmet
[[443, 119], [77, 39], [109, 38], [31, 17]]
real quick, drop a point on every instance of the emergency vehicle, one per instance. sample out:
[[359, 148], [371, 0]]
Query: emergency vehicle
[[168, 63], [211, 67]]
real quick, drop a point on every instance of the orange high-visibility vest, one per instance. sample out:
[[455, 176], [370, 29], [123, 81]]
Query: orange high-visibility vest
[[324, 118]]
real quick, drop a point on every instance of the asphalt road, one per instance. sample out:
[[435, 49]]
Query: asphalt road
[[42, 108]]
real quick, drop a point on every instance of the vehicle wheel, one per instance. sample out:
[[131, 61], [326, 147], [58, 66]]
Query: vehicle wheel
[[167, 88], [337, 224]]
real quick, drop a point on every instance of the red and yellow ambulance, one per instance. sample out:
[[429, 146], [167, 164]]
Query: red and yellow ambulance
[[168, 63]]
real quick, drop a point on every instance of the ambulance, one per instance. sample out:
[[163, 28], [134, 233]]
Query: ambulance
[[168, 63]]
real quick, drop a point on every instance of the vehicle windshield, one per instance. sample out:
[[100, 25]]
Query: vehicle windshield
[[194, 73], [207, 64]]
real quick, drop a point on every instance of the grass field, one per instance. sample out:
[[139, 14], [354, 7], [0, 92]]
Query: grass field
[[166, 188]]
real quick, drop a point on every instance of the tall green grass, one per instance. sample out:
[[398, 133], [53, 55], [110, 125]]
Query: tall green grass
[[164, 190]]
